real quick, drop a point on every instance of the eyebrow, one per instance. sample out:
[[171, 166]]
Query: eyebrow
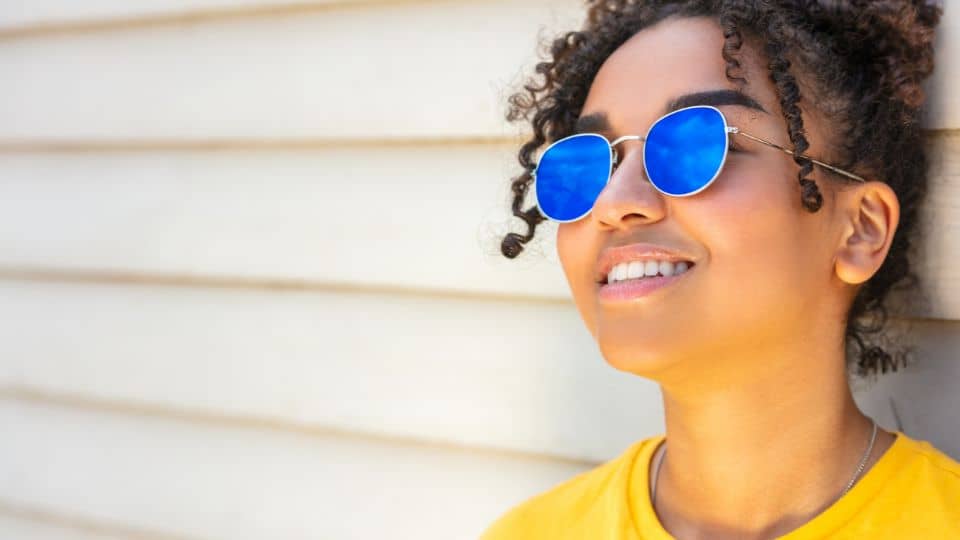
[[598, 122]]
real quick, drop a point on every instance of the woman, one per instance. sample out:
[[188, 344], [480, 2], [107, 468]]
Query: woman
[[731, 217]]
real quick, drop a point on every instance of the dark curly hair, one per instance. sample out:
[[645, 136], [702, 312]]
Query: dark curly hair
[[863, 61]]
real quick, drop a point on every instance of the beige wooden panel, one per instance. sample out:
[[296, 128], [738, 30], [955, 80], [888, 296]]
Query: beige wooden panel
[[432, 69], [219, 482], [44, 13], [416, 217], [944, 108], [20, 527], [514, 375], [939, 246], [511, 375]]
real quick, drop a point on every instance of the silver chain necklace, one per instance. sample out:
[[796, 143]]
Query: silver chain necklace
[[863, 463]]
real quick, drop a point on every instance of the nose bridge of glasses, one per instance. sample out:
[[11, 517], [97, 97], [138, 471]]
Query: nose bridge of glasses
[[619, 140]]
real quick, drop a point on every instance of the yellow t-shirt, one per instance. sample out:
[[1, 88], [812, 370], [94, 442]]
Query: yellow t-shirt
[[911, 492]]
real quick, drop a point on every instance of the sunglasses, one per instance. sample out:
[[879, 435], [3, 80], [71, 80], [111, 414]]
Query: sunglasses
[[683, 153]]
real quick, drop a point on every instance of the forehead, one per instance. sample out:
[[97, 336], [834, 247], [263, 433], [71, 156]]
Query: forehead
[[675, 57]]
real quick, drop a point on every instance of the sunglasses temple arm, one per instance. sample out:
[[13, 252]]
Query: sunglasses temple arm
[[791, 152]]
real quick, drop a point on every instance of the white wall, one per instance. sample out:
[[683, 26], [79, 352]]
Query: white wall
[[199, 338]]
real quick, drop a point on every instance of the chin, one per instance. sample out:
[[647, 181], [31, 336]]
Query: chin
[[642, 361]]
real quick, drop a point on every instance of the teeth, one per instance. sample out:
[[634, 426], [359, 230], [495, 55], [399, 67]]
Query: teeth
[[642, 269]]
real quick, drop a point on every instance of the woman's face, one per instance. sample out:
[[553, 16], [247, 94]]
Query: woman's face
[[763, 274]]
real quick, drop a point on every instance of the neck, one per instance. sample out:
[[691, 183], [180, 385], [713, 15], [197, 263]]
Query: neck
[[757, 455]]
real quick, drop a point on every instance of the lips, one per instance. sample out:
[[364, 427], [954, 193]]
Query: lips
[[640, 252], [634, 290]]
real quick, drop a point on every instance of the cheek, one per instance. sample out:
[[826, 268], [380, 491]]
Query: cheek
[[755, 195], [753, 229]]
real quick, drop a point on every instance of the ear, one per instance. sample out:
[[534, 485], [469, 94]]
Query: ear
[[872, 212]]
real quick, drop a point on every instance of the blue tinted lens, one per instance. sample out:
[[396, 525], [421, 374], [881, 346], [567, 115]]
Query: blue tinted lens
[[570, 176], [685, 150]]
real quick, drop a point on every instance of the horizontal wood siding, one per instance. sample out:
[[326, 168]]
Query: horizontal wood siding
[[341, 215], [182, 479], [354, 73]]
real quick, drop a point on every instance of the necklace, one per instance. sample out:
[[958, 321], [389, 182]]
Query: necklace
[[662, 454]]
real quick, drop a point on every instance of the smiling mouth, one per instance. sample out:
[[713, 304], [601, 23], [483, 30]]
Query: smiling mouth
[[631, 289]]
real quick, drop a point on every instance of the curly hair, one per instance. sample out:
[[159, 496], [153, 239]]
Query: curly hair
[[863, 62]]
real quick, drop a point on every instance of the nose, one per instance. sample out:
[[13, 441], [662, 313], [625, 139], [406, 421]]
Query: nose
[[629, 199]]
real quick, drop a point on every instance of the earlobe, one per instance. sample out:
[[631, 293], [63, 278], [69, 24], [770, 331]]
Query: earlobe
[[869, 225]]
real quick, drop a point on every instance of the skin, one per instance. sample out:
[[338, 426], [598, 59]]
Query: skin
[[762, 430]]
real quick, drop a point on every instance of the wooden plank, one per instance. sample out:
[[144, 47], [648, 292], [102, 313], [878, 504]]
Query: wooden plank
[[19, 526], [490, 374], [358, 73], [938, 253], [408, 217], [24, 16], [459, 371], [944, 105], [205, 481]]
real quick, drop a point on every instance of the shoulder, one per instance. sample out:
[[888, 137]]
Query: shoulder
[[933, 467], [586, 497], [924, 494], [939, 465]]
